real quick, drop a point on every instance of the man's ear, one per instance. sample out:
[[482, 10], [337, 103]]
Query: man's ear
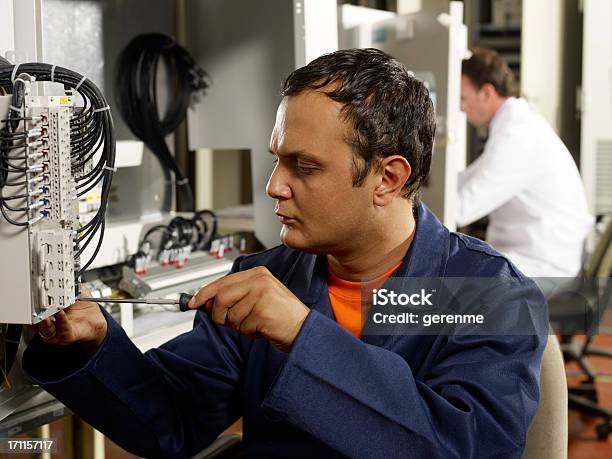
[[394, 171], [489, 91]]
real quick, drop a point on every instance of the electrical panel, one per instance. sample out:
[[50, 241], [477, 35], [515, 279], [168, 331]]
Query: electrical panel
[[53, 153], [42, 182]]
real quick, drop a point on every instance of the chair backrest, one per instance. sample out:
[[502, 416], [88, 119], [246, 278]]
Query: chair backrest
[[602, 255], [547, 436], [600, 268]]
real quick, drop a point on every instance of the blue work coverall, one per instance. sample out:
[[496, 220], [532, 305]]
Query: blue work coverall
[[333, 395]]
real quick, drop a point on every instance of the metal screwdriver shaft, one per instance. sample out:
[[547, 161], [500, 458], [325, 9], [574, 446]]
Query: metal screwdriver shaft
[[182, 301]]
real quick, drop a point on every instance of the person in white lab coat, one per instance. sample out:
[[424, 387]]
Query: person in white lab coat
[[526, 181]]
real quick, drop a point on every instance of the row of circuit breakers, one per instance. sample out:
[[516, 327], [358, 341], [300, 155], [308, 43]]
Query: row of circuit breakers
[[52, 202], [52, 153]]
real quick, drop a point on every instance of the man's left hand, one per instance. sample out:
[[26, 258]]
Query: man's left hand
[[256, 304]]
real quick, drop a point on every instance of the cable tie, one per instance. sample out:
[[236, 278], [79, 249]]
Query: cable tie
[[16, 109], [20, 79], [76, 88], [182, 182], [112, 169], [53, 73], [14, 73], [101, 109]]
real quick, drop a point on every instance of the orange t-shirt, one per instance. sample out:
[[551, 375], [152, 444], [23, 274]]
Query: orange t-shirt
[[345, 298]]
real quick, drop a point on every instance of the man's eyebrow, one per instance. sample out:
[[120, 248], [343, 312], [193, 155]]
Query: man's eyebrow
[[300, 154]]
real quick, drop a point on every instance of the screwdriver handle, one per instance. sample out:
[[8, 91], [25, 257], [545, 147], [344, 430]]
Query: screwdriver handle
[[184, 301]]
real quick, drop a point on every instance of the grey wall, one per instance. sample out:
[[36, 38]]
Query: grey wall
[[247, 47]]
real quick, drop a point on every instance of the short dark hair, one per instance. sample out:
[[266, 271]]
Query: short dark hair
[[389, 110], [487, 66]]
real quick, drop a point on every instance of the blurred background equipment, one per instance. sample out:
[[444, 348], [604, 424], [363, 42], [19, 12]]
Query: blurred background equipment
[[437, 27], [596, 106], [577, 315]]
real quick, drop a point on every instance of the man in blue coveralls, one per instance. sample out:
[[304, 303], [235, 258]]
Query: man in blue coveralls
[[352, 144]]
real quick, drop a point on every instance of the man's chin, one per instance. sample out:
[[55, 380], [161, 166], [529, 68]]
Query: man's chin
[[294, 241]]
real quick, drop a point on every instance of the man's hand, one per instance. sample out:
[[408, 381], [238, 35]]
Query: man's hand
[[256, 304], [82, 323]]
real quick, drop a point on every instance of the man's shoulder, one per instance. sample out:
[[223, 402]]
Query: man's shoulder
[[470, 256], [520, 119]]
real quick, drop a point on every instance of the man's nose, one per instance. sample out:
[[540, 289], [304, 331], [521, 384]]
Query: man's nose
[[277, 187]]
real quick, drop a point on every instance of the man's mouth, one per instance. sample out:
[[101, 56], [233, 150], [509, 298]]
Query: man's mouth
[[285, 219]]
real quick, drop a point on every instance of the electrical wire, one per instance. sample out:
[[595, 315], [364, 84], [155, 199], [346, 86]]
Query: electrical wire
[[138, 102]]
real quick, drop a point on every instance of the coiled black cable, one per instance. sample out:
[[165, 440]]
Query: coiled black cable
[[137, 98]]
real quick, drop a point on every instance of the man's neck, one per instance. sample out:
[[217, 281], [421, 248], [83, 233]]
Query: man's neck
[[385, 248], [496, 105]]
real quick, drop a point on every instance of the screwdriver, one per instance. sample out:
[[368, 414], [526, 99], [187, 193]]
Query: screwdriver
[[182, 301]]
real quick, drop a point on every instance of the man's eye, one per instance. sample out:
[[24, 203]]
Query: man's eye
[[304, 170]]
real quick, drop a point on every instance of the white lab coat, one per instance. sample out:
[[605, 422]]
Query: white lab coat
[[529, 185]]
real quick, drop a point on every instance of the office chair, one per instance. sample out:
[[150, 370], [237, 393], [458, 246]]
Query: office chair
[[578, 311]]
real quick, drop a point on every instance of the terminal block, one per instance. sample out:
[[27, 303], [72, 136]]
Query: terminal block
[[53, 269]]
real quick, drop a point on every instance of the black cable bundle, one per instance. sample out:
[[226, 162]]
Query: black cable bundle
[[137, 97], [182, 232], [11, 140], [90, 128]]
